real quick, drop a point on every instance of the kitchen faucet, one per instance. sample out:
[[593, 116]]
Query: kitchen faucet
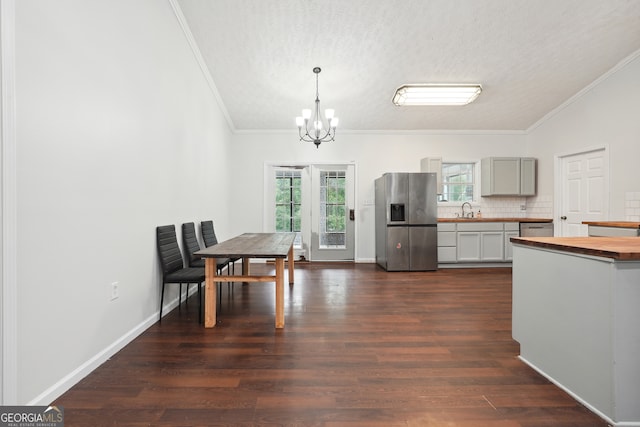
[[470, 214]]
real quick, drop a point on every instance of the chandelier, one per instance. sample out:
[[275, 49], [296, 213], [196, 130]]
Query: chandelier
[[314, 126]]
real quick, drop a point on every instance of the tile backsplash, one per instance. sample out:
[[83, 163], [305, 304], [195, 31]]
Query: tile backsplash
[[632, 206], [507, 207], [535, 207]]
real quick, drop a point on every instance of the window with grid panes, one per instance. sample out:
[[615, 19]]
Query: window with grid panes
[[288, 203], [333, 209], [458, 184]]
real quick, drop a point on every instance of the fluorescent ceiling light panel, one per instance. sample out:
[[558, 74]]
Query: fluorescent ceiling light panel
[[436, 94]]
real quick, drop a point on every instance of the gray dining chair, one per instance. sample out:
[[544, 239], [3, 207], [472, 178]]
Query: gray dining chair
[[173, 269], [209, 238]]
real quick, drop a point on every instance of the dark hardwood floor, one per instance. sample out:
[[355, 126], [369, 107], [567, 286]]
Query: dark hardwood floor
[[361, 348]]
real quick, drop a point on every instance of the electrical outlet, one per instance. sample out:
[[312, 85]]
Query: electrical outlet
[[523, 207], [114, 291]]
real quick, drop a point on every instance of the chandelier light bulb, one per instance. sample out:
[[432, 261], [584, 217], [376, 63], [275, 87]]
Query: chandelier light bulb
[[328, 113]]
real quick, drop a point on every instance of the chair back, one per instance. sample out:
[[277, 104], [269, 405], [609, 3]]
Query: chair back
[[208, 233], [168, 249], [190, 241]]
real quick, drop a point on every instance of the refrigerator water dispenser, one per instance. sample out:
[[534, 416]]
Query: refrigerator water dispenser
[[397, 211]]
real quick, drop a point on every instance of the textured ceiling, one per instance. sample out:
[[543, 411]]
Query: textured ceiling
[[529, 55]]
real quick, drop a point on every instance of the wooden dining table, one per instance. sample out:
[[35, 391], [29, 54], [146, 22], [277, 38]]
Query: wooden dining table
[[278, 246]]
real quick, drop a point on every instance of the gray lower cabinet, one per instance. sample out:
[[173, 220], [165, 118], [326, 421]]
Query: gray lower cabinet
[[492, 246], [447, 243], [468, 246], [511, 229], [476, 242], [480, 241]]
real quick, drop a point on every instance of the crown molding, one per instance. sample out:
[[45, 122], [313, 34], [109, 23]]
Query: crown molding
[[201, 62], [386, 132], [620, 65]]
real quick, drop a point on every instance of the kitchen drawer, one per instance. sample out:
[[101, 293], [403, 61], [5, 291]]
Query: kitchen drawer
[[511, 226], [446, 226], [480, 226], [447, 254], [446, 238]]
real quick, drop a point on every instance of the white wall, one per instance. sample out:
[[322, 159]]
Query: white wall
[[606, 113], [373, 153], [117, 133]]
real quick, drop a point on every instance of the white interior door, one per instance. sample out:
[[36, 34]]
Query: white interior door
[[332, 212], [583, 191]]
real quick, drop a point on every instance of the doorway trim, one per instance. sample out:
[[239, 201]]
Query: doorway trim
[[8, 209], [558, 198]]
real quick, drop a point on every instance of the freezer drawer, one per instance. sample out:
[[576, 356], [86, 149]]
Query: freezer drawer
[[423, 253], [397, 249], [412, 248]]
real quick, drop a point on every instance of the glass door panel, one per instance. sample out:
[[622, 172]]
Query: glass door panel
[[332, 237]]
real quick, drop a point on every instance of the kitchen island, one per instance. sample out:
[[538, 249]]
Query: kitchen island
[[576, 316]]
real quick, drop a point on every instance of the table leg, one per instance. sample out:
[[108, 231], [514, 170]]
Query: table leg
[[279, 293], [290, 261], [245, 268], [210, 293]]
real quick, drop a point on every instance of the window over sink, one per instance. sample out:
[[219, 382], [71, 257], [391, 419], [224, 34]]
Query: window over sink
[[458, 182]]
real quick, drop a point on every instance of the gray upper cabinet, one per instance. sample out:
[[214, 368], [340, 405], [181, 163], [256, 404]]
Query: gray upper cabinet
[[527, 176], [433, 164], [508, 176]]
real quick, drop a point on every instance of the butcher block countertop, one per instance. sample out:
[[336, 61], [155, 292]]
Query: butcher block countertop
[[618, 248], [616, 224], [483, 219]]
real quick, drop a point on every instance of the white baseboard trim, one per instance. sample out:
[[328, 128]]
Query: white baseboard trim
[[477, 265], [579, 399], [74, 377]]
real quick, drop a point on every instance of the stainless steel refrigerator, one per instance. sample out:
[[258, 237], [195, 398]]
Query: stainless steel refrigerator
[[406, 221]]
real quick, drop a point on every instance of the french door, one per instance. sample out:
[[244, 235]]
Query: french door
[[317, 203], [332, 212]]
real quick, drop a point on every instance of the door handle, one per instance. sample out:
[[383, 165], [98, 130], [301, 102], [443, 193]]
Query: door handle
[[352, 214], [563, 217]]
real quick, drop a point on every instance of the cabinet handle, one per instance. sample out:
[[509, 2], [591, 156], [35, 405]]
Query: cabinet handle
[[563, 217]]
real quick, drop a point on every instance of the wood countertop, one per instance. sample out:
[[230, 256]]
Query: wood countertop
[[618, 248], [483, 219], [616, 224]]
